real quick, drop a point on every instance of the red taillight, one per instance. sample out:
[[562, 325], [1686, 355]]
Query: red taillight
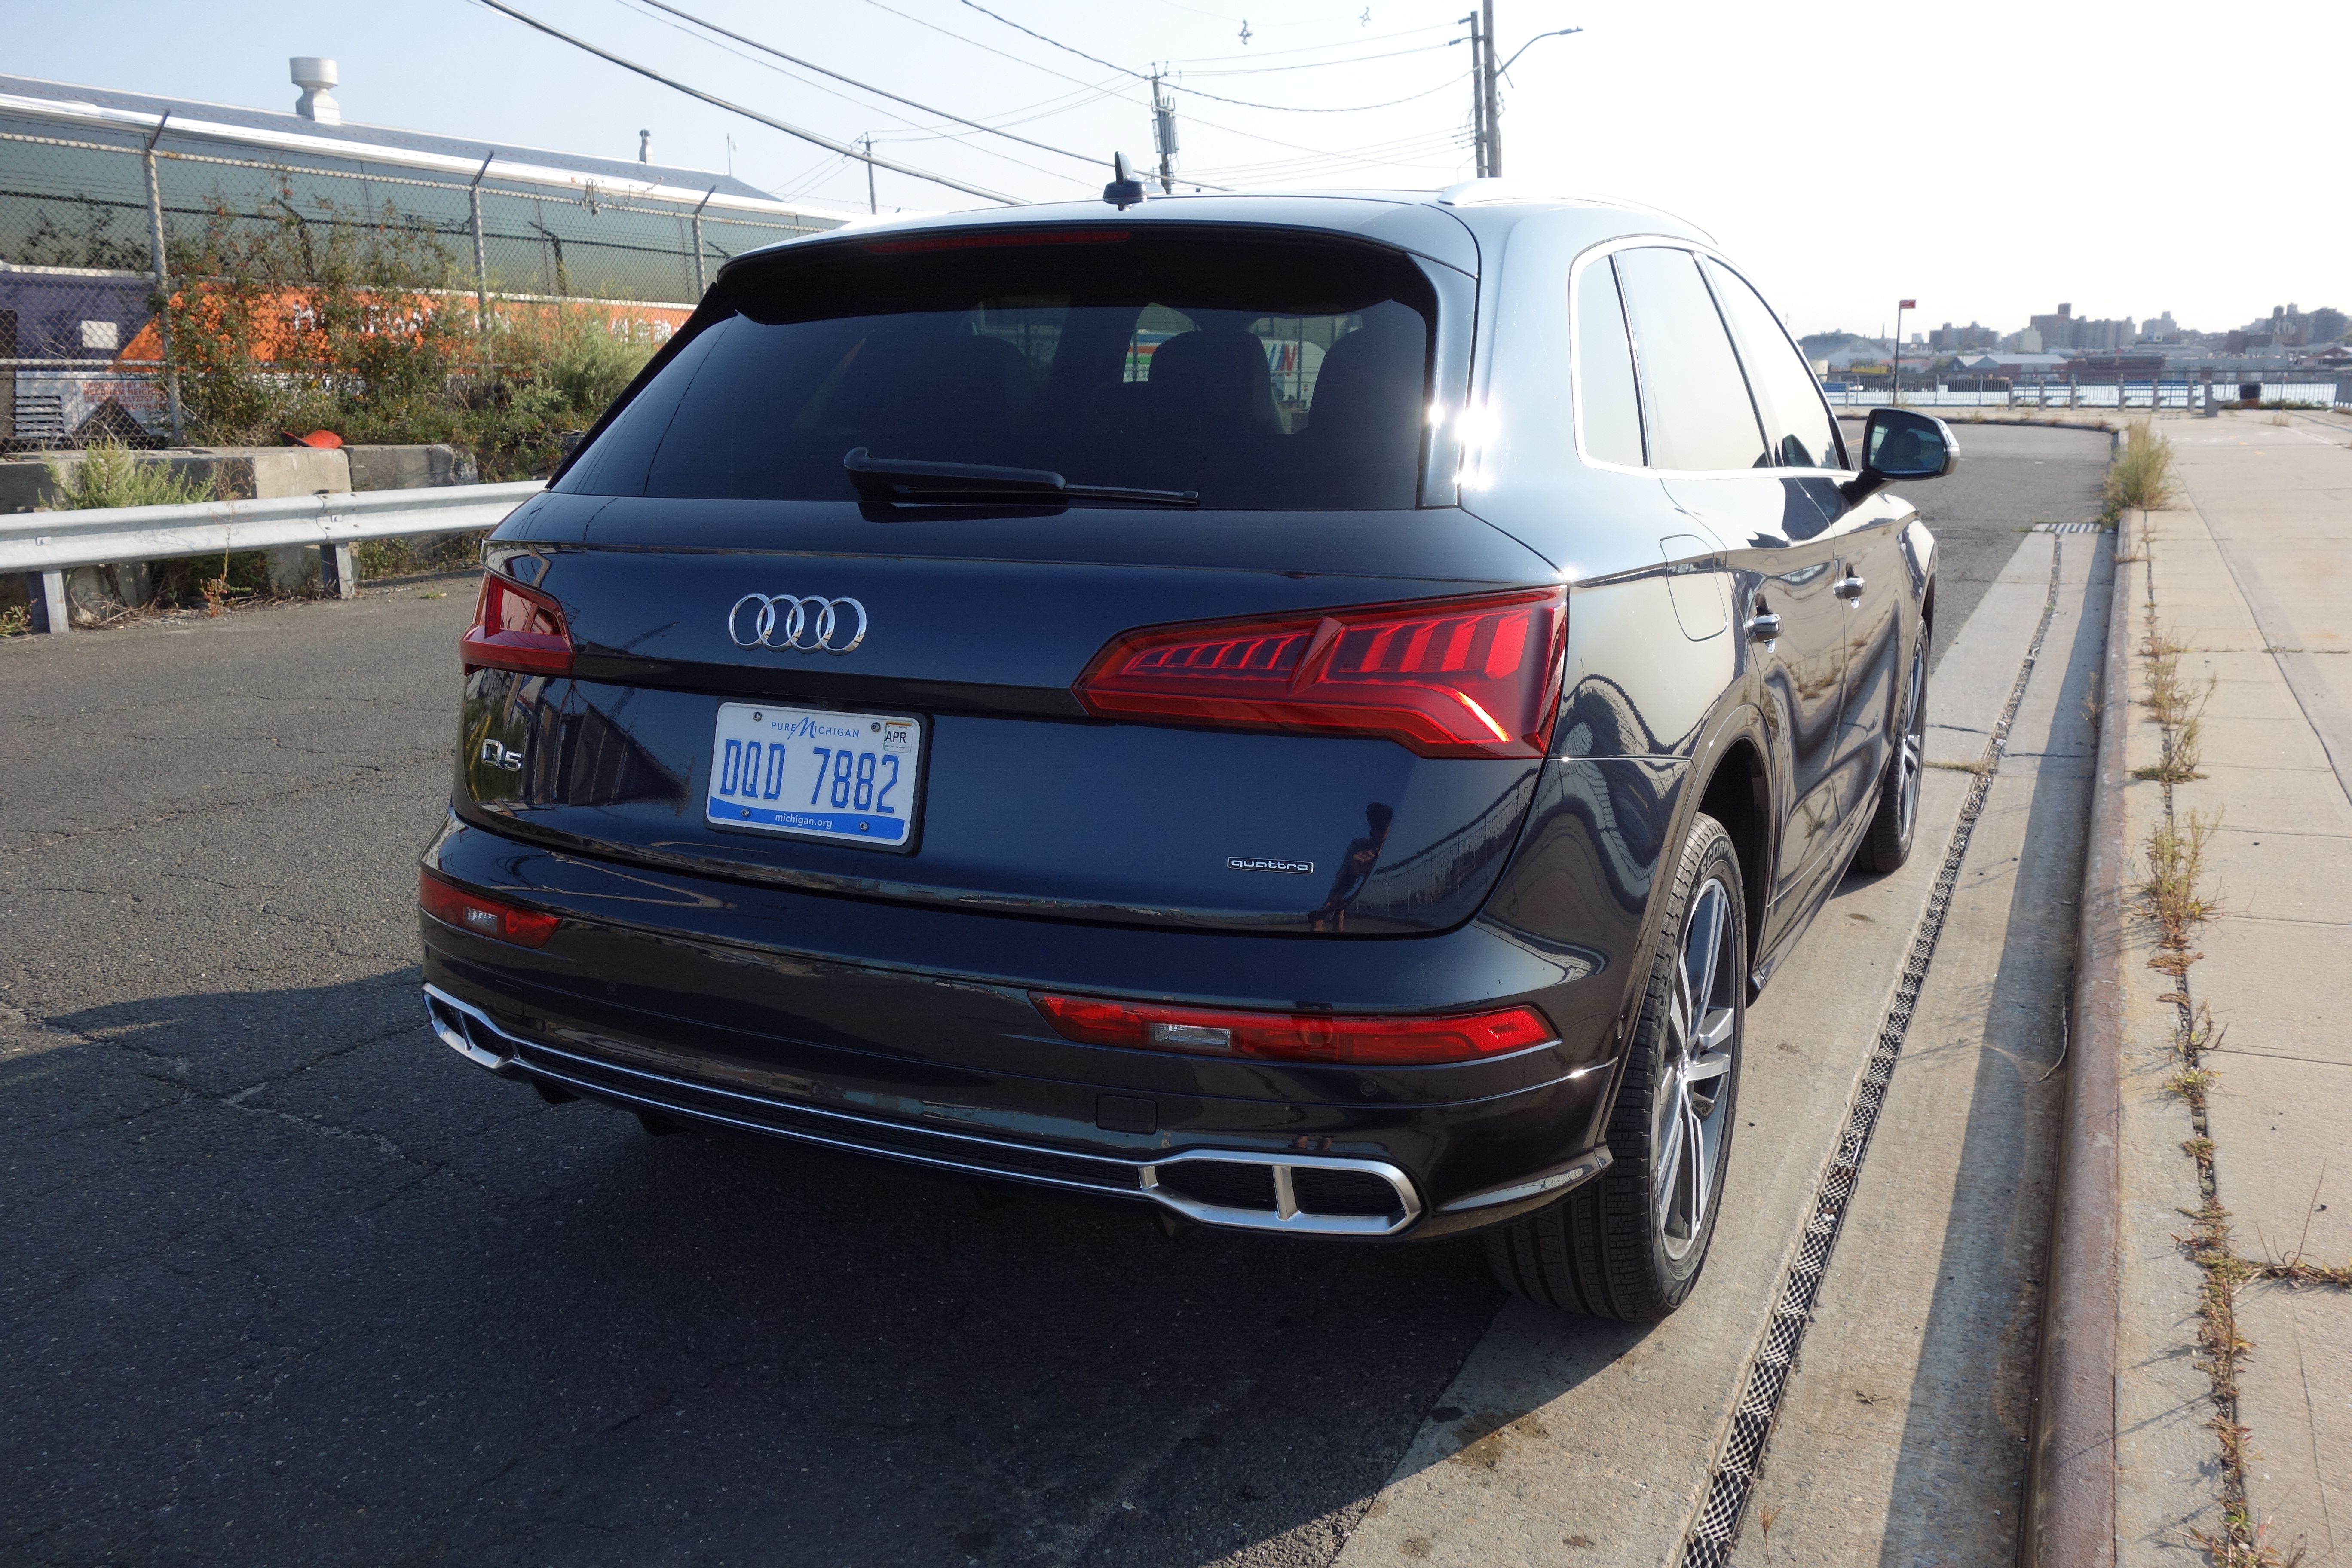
[[517, 628], [1447, 677], [1293, 1037], [483, 916]]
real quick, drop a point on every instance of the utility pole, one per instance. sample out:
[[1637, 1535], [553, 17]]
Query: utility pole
[[1492, 99], [870, 205], [1477, 95], [1163, 132]]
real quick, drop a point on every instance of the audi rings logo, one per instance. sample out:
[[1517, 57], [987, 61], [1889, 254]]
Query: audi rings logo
[[809, 624]]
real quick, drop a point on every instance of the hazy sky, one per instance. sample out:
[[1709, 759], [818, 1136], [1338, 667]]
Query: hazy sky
[[1988, 159]]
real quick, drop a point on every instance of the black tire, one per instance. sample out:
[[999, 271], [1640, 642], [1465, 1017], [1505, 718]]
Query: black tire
[[1630, 1243], [1896, 820]]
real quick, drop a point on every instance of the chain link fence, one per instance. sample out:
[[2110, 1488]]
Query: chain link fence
[[93, 214]]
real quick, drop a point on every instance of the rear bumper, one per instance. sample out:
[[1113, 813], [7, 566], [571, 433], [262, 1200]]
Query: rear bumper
[[909, 1035]]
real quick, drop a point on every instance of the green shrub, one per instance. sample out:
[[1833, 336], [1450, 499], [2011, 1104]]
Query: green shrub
[[107, 474]]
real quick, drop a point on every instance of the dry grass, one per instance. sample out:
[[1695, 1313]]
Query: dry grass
[[2176, 705], [1978, 766], [2169, 894], [2292, 1268], [2247, 1545], [2140, 478]]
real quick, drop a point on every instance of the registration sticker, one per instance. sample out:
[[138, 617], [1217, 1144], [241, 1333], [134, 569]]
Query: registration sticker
[[815, 773]]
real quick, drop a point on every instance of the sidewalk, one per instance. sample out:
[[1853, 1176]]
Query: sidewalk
[[2248, 574]]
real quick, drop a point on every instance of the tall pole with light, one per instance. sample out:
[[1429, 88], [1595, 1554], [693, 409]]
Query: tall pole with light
[[1490, 96], [1895, 389]]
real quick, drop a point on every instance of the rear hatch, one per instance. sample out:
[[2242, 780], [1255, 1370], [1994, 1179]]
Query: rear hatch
[[1069, 573]]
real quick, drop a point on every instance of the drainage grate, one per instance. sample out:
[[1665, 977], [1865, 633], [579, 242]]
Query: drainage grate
[[2070, 528], [1715, 1530]]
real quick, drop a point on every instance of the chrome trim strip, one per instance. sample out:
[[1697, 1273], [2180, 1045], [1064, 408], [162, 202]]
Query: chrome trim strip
[[1584, 1170], [1286, 1217]]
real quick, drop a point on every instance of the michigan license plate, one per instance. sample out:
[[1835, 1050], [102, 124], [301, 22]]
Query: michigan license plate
[[813, 774]]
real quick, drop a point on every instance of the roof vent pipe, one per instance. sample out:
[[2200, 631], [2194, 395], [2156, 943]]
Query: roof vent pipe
[[314, 75], [645, 146]]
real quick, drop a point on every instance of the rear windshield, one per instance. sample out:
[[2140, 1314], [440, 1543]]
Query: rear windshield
[[1261, 372]]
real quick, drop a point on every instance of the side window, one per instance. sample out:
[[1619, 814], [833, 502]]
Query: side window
[[1796, 420], [1607, 407], [1694, 400]]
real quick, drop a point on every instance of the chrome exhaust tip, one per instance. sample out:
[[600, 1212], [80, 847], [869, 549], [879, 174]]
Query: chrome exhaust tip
[[469, 1031], [1302, 1195]]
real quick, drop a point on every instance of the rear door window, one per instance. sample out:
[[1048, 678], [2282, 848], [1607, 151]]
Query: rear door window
[[1608, 409], [1796, 418], [1261, 372], [1695, 403]]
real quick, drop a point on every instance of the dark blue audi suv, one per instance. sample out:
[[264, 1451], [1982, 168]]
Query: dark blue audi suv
[[1317, 713]]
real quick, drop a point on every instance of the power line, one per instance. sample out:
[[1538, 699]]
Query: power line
[[1064, 76], [1313, 48], [1086, 158], [1197, 92], [712, 99], [815, 85], [1318, 65]]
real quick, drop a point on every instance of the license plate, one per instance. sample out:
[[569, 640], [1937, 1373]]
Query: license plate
[[815, 773]]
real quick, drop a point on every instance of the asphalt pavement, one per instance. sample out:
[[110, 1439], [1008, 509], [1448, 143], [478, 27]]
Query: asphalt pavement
[[288, 1281], [2009, 478]]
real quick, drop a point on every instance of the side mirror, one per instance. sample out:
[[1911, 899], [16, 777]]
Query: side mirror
[[1902, 444]]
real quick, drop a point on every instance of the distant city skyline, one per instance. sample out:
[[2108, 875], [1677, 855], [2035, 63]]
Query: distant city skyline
[[1843, 164]]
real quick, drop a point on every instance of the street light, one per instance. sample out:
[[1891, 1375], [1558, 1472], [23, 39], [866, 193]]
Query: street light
[[1895, 394], [1486, 102]]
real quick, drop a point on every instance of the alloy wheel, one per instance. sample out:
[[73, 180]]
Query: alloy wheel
[[1691, 1110], [1910, 762]]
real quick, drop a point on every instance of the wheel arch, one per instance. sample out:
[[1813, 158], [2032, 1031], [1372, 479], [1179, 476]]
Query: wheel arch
[[1738, 793]]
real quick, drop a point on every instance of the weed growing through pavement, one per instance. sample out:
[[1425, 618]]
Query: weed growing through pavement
[[2177, 707], [2140, 478], [2169, 894], [2172, 897]]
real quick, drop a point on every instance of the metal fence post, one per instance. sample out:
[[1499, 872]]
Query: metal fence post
[[698, 285], [163, 276], [338, 575], [45, 596], [482, 254]]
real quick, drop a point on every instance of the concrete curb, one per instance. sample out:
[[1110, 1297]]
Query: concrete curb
[[2070, 1478]]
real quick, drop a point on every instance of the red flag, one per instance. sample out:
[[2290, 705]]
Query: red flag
[[1908, 304]]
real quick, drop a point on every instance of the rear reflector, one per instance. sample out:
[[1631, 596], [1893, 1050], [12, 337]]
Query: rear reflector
[[1293, 1037], [517, 628], [1447, 677], [483, 916]]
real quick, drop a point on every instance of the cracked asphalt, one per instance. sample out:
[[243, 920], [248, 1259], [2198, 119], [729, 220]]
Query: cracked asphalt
[[285, 1281]]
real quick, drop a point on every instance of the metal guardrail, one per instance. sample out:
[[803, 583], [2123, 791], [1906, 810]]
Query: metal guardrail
[[46, 545]]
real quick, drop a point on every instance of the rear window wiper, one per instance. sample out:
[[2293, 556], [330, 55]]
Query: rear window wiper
[[901, 480]]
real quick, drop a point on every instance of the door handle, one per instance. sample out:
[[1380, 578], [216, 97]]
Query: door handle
[[1849, 588], [1764, 627]]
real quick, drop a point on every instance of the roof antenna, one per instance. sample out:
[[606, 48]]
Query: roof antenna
[[1124, 190]]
